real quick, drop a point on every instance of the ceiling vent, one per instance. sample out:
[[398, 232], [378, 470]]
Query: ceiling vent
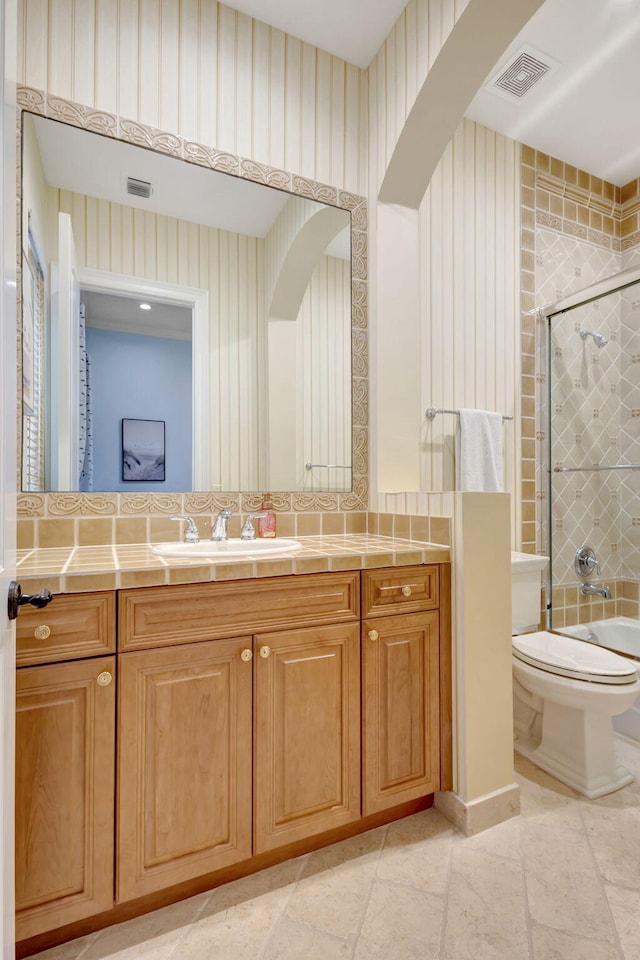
[[139, 188], [526, 68]]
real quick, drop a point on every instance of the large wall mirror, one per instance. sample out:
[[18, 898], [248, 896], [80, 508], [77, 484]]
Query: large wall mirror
[[182, 328]]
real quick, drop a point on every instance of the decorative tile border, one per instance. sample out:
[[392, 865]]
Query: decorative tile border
[[583, 206], [527, 350], [104, 504], [605, 198]]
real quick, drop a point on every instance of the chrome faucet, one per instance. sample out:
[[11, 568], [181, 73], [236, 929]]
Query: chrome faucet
[[191, 534], [248, 529], [219, 529], [590, 590]]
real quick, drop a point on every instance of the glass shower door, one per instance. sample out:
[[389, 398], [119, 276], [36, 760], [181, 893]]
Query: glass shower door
[[593, 417]]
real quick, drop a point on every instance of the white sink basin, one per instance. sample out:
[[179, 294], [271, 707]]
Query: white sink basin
[[233, 547]]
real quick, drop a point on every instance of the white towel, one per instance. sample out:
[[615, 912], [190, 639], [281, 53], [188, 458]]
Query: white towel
[[479, 451]]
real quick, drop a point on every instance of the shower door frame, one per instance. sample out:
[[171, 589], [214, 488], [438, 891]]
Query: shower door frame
[[612, 284]]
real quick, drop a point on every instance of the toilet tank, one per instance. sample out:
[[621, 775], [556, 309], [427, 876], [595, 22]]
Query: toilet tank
[[526, 583]]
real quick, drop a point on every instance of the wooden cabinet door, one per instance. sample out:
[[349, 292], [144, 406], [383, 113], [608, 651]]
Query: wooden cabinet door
[[307, 733], [400, 717], [65, 747], [184, 763]]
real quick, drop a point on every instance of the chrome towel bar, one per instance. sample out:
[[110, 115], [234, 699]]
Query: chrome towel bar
[[614, 466], [431, 413]]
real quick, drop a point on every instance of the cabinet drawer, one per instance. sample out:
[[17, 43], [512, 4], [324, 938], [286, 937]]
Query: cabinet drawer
[[161, 616], [400, 590], [73, 626]]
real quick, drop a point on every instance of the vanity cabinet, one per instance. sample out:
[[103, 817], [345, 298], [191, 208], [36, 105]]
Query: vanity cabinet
[[184, 763], [205, 727], [252, 717], [65, 747]]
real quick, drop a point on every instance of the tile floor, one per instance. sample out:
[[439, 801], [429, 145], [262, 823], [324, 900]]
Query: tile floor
[[560, 882]]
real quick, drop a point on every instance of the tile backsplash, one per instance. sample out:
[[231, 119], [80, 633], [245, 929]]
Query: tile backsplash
[[85, 531]]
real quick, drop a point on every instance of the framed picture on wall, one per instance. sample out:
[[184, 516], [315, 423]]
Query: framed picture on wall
[[143, 450]]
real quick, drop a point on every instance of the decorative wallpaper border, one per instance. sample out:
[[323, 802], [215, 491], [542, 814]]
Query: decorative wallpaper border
[[130, 131]]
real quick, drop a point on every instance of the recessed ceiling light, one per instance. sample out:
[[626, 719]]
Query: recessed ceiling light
[[145, 306]]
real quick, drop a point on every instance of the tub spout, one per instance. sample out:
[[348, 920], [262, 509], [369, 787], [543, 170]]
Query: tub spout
[[590, 590]]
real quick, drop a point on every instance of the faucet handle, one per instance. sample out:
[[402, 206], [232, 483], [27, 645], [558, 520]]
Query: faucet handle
[[586, 562], [191, 534], [248, 530]]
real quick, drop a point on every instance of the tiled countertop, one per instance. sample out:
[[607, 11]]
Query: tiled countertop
[[79, 569]]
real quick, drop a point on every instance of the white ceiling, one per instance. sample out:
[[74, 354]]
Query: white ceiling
[[113, 312], [351, 29], [96, 166], [586, 111]]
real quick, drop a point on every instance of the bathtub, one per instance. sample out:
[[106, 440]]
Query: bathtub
[[622, 635]]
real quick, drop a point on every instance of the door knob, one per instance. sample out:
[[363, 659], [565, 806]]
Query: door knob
[[246, 654], [406, 591], [265, 652], [373, 634], [18, 599]]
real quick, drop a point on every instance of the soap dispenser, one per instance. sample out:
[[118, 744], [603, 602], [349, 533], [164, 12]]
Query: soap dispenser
[[267, 522]]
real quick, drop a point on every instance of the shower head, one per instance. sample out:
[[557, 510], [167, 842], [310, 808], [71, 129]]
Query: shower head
[[598, 338]]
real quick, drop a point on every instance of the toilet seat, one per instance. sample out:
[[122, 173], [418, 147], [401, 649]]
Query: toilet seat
[[574, 659]]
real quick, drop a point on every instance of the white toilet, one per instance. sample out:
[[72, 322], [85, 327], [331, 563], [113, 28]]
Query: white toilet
[[565, 693]]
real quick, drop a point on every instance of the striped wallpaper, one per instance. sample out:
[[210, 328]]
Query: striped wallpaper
[[205, 72], [120, 239], [401, 67], [458, 304], [469, 252], [237, 84]]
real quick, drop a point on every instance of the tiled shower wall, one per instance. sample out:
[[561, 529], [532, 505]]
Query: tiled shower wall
[[583, 230]]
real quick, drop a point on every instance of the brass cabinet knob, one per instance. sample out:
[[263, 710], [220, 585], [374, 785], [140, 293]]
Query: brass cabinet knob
[[373, 634], [265, 652], [43, 632], [406, 591], [246, 655], [104, 678]]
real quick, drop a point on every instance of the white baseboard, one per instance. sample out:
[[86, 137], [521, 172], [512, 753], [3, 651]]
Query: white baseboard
[[482, 813]]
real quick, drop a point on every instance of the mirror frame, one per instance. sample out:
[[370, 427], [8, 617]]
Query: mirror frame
[[67, 504]]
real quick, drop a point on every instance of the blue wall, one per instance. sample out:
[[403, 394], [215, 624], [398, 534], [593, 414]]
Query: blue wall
[[140, 378]]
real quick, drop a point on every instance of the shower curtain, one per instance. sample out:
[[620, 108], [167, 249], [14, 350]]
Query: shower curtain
[[85, 452]]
